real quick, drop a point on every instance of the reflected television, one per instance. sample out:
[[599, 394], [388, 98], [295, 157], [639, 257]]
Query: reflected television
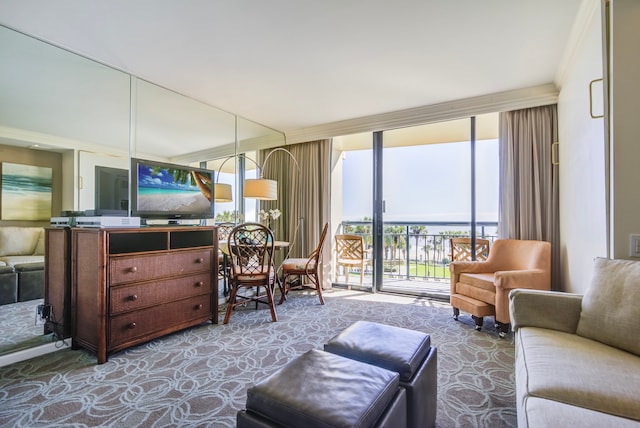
[[170, 191]]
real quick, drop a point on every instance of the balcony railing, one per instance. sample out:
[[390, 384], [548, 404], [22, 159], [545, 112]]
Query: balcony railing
[[417, 250]]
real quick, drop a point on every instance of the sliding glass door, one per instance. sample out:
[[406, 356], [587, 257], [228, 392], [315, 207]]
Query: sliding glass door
[[413, 190]]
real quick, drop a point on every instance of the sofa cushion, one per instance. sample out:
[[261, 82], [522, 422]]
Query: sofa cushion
[[39, 251], [17, 260], [610, 310], [576, 370], [18, 241]]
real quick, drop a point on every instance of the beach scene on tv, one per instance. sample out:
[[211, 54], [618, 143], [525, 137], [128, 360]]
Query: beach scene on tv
[[173, 190]]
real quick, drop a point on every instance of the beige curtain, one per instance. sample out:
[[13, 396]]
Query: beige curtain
[[303, 196], [528, 201]]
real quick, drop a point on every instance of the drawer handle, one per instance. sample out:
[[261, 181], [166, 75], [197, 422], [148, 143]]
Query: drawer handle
[[199, 284], [131, 326], [198, 307], [133, 269], [200, 260], [133, 297]]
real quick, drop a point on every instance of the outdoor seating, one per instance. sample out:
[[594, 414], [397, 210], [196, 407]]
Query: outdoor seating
[[461, 249], [350, 254]]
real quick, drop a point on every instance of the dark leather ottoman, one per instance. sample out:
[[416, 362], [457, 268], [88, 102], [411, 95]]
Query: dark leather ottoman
[[406, 352], [8, 285], [30, 281], [320, 389]]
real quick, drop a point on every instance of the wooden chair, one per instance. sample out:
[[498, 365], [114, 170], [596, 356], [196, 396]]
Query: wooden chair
[[250, 247], [350, 253], [461, 249], [304, 268]]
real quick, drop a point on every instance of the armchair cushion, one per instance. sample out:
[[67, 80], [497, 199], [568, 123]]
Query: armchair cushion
[[610, 310]]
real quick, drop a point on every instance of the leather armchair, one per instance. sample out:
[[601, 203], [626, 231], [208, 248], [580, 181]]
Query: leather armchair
[[482, 288]]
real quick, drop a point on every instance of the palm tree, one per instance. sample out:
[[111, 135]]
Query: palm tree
[[182, 176]]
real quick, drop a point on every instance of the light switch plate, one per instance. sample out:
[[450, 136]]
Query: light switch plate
[[634, 245]]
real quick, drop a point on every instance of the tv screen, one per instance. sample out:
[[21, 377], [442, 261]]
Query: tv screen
[[164, 190], [111, 191]]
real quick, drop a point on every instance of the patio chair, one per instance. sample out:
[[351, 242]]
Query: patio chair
[[461, 249], [350, 254]]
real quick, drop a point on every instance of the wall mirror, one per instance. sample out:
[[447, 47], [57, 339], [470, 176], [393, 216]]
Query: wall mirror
[[61, 109]]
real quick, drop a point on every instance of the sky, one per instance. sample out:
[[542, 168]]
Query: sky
[[424, 183]]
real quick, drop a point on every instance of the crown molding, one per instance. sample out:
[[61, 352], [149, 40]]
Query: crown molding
[[502, 101]]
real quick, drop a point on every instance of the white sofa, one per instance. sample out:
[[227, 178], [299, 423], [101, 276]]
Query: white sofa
[[22, 262], [20, 245], [578, 357]]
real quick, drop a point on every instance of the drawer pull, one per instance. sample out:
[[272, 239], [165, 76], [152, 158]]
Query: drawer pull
[[199, 284], [133, 297], [133, 269], [198, 307], [131, 326], [200, 260]]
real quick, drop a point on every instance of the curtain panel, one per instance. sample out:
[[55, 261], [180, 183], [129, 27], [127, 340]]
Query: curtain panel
[[529, 196], [303, 197]]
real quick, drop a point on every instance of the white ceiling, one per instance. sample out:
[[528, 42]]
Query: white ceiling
[[292, 64]]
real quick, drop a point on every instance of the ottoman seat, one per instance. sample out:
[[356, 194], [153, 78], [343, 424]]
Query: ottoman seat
[[30, 281], [320, 389], [406, 352], [8, 285]]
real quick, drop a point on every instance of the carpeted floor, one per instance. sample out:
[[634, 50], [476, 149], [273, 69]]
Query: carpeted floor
[[199, 377]]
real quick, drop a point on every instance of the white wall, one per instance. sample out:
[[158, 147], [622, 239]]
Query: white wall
[[581, 156], [624, 102]]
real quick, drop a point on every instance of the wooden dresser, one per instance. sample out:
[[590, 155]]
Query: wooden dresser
[[131, 285]]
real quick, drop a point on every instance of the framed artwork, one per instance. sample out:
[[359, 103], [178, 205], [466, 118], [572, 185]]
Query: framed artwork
[[26, 192]]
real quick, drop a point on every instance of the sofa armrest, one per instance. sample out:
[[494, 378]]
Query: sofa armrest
[[545, 309]]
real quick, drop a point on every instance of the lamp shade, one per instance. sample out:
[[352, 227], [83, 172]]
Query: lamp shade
[[261, 188], [222, 192]]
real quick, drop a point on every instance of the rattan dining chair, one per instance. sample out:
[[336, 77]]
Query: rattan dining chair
[[304, 268], [250, 247]]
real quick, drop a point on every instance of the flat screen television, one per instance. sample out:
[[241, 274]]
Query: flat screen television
[[111, 191], [168, 191]]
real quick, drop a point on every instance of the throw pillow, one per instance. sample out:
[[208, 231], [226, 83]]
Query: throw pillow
[[610, 311]]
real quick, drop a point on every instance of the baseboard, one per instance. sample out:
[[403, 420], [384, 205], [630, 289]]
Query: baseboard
[[27, 354]]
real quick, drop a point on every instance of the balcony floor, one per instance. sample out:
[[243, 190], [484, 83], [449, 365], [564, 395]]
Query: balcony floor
[[434, 288]]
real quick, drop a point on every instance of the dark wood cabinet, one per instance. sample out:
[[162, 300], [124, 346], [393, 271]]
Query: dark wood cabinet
[[132, 285], [57, 281]]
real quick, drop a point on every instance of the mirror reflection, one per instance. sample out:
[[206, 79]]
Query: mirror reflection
[[84, 121]]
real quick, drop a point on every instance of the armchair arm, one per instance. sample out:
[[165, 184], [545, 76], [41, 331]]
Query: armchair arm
[[459, 267], [545, 309], [530, 278]]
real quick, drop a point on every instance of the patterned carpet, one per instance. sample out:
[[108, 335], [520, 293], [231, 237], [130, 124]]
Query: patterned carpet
[[19, 327], [199, 377]]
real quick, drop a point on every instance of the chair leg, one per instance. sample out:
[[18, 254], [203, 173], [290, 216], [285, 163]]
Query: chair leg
[[503, 328], [479, 322], [316, 281], [456, 313], [285, 288], [231, 303], [272, 304]]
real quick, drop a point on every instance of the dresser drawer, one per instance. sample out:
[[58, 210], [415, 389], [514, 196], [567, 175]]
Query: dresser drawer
[[142, 295], [142, 268], [146, 324]]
